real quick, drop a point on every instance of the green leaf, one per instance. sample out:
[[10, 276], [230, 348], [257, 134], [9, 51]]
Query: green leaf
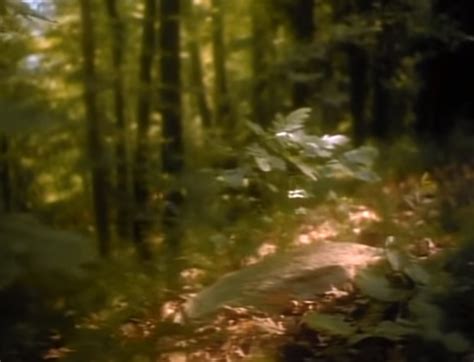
[[335, 169], [265, 161], [333, 141], [393, 331], [378, 287], [263, 164], [397, 259], [364, 156], [292, 122], [456, 342], [316, 147], [328, 323], [428, 314], [366, 175], [277, 163], [307, 170], [255, 128], [417, 273]]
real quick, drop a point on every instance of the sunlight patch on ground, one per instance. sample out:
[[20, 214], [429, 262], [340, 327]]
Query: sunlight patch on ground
[[363, 215], [325, 231]]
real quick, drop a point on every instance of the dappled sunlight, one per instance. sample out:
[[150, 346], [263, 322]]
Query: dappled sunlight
[[328, 230], [263, 251], [337, 223], [363, 215]]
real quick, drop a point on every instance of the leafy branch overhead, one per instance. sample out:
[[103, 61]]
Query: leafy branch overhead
[[23, 9], [287, 145]]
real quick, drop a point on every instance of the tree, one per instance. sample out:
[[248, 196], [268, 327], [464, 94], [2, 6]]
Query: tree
[[121, 169], [222, 103], [94, 130], [384, 65], [358, 66], [141, 160], [445, 99], [263, 53], [302, 27], [172, 147], [5, 182], [198, 87]]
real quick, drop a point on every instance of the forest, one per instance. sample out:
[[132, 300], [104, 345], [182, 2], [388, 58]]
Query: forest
[[236, 180]]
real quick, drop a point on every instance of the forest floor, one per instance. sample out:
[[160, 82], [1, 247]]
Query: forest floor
[[429, 213]]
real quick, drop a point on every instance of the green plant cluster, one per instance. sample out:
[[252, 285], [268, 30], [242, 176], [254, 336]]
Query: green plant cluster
[[415, 290], [287, 150], [38, 255]]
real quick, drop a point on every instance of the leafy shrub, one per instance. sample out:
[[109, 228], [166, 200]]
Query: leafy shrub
[[34, 253], [287, 160]]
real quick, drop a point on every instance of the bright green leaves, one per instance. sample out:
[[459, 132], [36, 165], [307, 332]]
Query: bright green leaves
[[292, 123], [265, 161], [287, 145]]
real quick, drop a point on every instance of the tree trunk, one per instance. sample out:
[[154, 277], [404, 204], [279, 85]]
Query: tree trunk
[[5, 175], [263, 53], [445, 103], [197, 75], [94, 131], [300, 16], [172, 149], [141, 162], [222, 106], [383, 67], [122, 193], [358, 64]]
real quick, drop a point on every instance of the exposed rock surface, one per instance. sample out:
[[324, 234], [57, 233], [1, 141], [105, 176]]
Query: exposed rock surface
[[299, 274]]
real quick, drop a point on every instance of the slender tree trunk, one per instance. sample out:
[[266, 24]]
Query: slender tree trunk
[[5, 175], [358, 63], [222, 106], [94, 130], [172, 149], [301, 19], [141, 162], [122, 193], [197, 74], [263, 53], [382, 102]]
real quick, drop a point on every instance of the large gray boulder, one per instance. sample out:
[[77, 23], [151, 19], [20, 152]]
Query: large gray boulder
[[302, 273]]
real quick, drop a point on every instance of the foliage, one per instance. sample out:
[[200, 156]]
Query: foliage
[[287, 148], [22, 8], [34, 253], [406, 284]]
